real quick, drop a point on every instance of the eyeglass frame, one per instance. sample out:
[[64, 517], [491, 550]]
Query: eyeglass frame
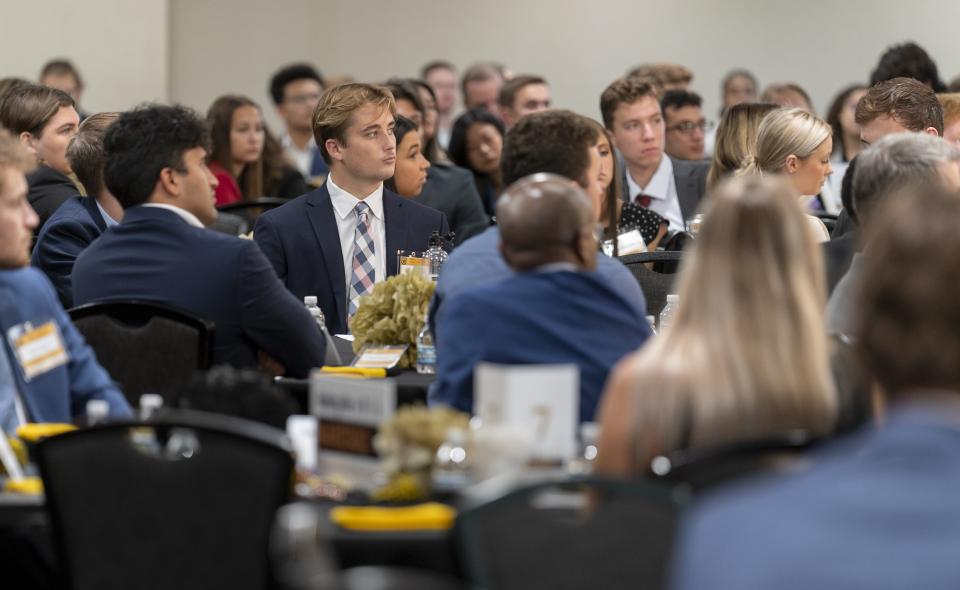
[[687, 127]]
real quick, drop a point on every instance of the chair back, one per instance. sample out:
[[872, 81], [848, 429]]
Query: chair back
[[145, 346], [250, 210], [190, 508], [654, 283], [704, 468], [577, 534]]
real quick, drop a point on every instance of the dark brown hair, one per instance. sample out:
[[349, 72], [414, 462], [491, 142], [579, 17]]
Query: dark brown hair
[[513, 86], [908, 317], [909, 102], [556, 141], [28, 108], [625, 91]]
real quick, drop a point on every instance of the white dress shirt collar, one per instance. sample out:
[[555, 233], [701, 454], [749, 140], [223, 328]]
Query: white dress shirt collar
[[190, 218], [344, 203], [659, 185]]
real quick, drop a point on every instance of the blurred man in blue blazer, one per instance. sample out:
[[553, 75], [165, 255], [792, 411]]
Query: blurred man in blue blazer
[[47, 372], [161, 251], [879, 511], [339, 240]]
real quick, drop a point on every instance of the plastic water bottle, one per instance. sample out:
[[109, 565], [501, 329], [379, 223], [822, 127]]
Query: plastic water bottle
[[310, 301], [333, 355], [582, 463], [97, 411], [150, 403], [452, 467], [666, 316], [435, 255], [426, 351], [653, 324]]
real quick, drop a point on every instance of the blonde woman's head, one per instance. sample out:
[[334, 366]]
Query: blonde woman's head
[[746, 355], [795, 143], [736, 137]]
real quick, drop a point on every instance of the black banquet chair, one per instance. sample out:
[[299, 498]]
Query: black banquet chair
[[705, 468], [592, 533], [189, 507], [654, 283], [145, 346]]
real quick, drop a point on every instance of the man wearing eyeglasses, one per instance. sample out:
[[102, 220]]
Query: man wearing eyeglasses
[[296, 90], [685, 125]]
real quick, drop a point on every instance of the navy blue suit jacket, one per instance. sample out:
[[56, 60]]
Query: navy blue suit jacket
[[536, 318], [155, 255], [302, 242], [73, 227], [61, 393], [879, 511]]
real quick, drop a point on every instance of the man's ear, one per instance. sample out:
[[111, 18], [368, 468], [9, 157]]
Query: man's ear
[[791, 164], [932, 131], [169, 181], [333, 148]]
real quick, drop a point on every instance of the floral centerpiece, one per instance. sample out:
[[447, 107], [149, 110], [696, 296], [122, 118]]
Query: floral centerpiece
[[393, 314], [407, 445]]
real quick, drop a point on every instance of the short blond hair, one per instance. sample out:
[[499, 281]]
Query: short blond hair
[[664, 73], [13, 155], [950, 101], [85, 151], [336, 107]]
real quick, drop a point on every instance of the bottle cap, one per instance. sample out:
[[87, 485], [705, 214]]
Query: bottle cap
[[310, 300], [673, 298], [98, 408], [151, 401], [589, 432]]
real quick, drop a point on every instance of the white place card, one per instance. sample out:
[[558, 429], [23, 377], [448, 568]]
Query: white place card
[[542, 400], [364, 402]]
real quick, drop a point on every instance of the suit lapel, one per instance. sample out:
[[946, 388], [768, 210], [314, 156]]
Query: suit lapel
[[321, 214], [394, 222], [90, 204], [686, 189]]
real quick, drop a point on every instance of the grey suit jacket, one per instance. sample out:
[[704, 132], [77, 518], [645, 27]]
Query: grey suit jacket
[[690, 178], [451, 190]]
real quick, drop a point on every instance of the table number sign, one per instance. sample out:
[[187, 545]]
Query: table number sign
[[539, 399]]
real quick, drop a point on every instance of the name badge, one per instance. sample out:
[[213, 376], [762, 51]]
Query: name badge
[[39, 349]]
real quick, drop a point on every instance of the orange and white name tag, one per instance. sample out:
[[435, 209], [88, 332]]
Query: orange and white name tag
[[39, 349]]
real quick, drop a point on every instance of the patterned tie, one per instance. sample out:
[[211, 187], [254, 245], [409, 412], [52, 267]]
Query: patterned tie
[[364, 256], [643, 200]]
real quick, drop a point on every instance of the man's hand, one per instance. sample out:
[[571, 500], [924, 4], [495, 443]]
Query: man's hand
[[269, 365]]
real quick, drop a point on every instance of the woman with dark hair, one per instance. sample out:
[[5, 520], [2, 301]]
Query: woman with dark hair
[[246, 160], [449, 189], [617, 216], [846, 132], [476, 143], [44, 119], [410, 173]]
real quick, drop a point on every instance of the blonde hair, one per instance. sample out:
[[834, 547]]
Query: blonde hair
[[336, 107], [783, 133], [13, 155], [950, 101], [746, 355], [736, 138]]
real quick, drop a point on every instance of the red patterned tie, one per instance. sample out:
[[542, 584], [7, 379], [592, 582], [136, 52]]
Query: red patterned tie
[[643, 200]]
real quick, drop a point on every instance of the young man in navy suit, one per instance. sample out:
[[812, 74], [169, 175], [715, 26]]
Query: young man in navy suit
[[47, 372], [156, 167], [81, 220], [339, 240]]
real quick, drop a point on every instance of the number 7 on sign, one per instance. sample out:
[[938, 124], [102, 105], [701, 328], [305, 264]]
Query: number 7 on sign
[[542, 413]]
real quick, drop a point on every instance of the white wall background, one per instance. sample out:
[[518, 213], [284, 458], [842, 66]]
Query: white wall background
[[120, 47], [194, 50]]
